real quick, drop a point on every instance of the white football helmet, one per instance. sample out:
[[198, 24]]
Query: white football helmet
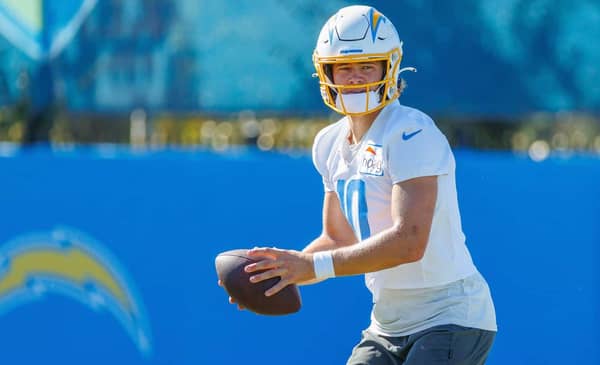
[[358, 34]]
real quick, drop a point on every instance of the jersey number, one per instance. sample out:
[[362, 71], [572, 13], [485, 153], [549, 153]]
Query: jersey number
[[354, 205]]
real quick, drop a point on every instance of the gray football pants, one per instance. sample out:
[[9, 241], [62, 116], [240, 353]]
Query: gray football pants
[[446, 344]]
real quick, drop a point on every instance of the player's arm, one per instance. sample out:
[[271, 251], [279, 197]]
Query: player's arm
[[412, 207], [336, 229]]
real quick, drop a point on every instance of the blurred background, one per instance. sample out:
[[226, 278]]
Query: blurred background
[[495, 75], [148, 136]]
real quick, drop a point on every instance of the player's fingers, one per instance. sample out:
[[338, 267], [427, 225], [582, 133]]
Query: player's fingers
[[263, 251], [277, 287], [267, 275], [262, 265], [220, 283]]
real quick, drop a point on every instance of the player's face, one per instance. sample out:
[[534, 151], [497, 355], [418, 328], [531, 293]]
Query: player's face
[[358, 73]]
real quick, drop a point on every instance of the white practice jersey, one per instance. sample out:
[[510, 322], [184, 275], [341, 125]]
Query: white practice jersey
[[402, 143], [444, 287]]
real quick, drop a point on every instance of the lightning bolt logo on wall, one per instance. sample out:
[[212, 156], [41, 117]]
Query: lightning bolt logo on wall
[[70, 263]]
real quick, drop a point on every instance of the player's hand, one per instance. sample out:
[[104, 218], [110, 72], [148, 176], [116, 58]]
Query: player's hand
[[292, 266], [240, 307]]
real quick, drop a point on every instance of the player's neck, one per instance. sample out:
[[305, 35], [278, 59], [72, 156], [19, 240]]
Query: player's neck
[[359, 125]]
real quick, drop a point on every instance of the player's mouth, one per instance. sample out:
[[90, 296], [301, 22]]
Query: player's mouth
[[354, 91]]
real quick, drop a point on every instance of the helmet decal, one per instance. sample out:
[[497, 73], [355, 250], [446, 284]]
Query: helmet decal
[[375, 18], [330, 34], [346, 51]]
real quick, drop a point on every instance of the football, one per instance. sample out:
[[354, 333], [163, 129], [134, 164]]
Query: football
[[230, 270]]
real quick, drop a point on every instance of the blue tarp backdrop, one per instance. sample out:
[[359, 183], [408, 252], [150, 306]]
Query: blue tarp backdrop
[[107, 256]]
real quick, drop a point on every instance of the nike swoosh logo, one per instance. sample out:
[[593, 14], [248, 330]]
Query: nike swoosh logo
[[406, 137]]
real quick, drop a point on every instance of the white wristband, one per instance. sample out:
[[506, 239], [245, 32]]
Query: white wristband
[[323, 264]]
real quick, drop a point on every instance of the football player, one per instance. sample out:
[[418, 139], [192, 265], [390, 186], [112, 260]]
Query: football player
[[390, 208]]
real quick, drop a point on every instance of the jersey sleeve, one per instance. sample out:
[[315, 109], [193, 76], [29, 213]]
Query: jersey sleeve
[[421, 150], [320, 154]]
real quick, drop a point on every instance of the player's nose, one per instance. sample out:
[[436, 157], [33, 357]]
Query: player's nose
[[355, 78]]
